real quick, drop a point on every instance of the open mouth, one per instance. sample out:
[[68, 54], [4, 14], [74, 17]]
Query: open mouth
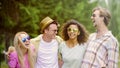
[[71, 35], [26, 44], [93, 21]]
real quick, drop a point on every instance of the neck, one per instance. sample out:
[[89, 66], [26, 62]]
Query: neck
[[46, 38], [24, 50], [101, 31], [72, 42]]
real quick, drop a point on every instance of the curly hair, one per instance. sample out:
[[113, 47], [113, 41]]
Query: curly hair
[[82, 38]]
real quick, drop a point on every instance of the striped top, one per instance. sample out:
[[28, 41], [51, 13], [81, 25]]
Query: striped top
[[101, 52]]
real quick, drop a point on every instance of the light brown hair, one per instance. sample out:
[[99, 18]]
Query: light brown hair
[[104, 13]]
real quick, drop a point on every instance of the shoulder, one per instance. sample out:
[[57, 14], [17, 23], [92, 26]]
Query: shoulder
[[62, 44], [92, 34], [111, 37], [36, 38], [111, 42], [13, 54], [59, 39]]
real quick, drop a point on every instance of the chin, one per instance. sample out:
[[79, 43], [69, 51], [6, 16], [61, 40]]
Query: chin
[[94, 25], [53, 37], [72, 37]]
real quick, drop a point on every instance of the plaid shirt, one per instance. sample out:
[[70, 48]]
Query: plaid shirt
[[101, 52]]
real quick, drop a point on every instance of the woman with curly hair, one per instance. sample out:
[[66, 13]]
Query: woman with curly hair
[[73, 47]]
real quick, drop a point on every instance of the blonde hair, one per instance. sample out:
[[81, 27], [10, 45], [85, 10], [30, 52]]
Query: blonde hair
[[17, 42]]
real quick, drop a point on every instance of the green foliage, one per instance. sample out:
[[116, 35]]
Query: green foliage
[[25, 15], [2, 47], [63, 10], [3, 65], [9, 23], [29, 18]]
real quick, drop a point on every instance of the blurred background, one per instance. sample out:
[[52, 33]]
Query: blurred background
[[25, 15]]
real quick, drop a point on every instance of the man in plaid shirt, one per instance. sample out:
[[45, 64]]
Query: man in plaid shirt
[[103, 49]]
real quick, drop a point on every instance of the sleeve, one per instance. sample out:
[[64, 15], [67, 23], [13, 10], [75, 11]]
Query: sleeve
[[59, 39], [60, 62], [59, 51], [12, 62], [113, 53]]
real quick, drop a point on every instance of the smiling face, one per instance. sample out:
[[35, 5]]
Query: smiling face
[[73, 31], [96, 18], [25, 39], [51, 31]]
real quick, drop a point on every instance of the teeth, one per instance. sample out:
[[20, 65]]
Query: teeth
[[72, 35]]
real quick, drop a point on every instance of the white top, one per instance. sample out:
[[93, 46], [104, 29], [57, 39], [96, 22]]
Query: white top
[[72, 57], [47, 54]]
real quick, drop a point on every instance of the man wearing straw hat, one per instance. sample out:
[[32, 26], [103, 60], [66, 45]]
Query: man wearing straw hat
[[46, 44]]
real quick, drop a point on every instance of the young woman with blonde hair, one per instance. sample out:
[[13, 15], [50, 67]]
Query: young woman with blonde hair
[[23, 56]]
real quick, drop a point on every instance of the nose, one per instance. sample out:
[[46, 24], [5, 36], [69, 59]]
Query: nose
[[91, 17], [55, 32], [27, 39]]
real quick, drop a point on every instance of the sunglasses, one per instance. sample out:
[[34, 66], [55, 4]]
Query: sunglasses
[[26, 38], [72, 30]]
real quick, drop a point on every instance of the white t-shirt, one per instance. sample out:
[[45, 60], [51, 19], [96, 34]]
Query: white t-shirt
[[47, 54]]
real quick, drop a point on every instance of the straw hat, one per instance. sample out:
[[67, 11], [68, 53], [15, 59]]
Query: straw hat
[[45, 22]]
